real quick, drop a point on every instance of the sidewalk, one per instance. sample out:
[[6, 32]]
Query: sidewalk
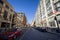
[[55, 33]]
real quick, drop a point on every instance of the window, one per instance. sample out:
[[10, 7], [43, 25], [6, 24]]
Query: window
[[57, 6], [0, 9], [5, 25], [45, 24], [52, 24], [1, 2], [13, 18], [49, 10], [59, 9], [47, 3], [10, 16], [50, 14], [59, 22], [42, 9], [11, 10], [7, 7], [55, 1], [5, 15]]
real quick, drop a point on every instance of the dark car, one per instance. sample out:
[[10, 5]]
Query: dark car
[[44, 29], [41, 29]]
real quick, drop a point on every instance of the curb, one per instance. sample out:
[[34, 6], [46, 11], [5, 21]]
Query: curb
[[55, 33]]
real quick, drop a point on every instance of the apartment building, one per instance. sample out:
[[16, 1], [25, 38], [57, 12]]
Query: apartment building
[[21, 20], [14, 20], [48, 13], [6, 14]]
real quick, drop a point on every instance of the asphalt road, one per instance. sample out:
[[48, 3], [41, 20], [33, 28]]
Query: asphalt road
[[33, 34]]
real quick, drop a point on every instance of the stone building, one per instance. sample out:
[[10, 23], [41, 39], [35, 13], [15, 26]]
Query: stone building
[[6, 14], [14, 20], [21, 20], [9, 18]]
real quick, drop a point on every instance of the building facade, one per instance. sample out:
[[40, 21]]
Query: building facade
[[14, 20], [6, 14], [9, 18], [48, 13], [21, 20]]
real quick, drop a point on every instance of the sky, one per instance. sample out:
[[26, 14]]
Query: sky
[[28, 7]]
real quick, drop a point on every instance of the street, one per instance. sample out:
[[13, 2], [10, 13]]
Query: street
[[32, 34], [29, 19]]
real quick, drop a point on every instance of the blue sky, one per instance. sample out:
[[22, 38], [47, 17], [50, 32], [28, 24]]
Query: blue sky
[[26, 6]]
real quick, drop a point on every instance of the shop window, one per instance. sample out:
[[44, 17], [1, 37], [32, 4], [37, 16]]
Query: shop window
[[52, 24], [5, 25], [59, 22]]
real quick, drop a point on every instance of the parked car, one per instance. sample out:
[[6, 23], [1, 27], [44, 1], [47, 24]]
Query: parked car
[[41, 29], [10, 34], [44, 29]]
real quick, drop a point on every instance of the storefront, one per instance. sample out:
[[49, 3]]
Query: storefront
[[5, 25], [52, 22], [58, 20]]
